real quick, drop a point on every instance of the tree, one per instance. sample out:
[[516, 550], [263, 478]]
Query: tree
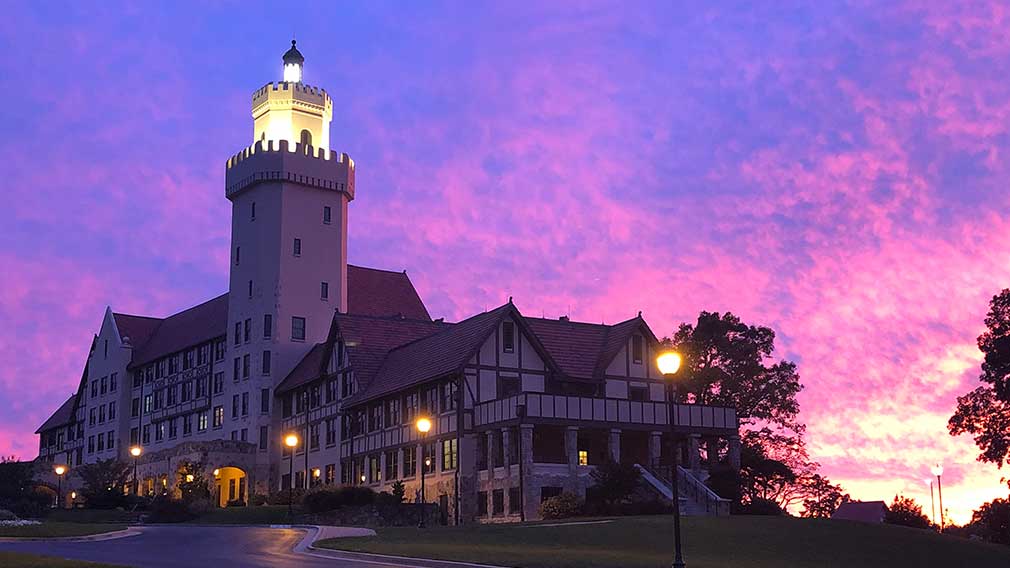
[[992, 521], [103, 481], [906, 512], [984, 413], [823, 497], [399, 490], [615, 482], [192, 481]]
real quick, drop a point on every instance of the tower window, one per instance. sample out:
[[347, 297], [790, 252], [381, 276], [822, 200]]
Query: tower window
[[238, 255], [324, 290], [306, 138], [636, 348], [297, 328], [268, 326], [266, 362], [508, 337], [298, 247], [253, 211], [327, 215], [250, 288]]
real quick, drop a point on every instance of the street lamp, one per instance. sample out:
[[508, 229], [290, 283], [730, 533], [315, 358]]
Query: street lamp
[[60, 470], [937, 470], [135, 451], [291, 441], [669, 363], [423, 426]]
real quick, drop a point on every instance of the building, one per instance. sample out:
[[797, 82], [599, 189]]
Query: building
[[862, 511], [348, 358]]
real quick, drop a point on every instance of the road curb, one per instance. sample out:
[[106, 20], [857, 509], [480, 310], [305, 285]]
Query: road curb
[[86, 538]]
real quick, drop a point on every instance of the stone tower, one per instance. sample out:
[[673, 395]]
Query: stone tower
[[288, 248]]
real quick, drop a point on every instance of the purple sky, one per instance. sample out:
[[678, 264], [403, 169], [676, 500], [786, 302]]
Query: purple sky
[[836, 172]]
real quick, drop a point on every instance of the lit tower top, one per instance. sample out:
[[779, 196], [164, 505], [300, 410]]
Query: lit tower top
[[291, 110]]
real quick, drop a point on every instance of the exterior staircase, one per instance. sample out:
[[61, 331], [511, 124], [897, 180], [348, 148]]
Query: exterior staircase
[[695, 497]]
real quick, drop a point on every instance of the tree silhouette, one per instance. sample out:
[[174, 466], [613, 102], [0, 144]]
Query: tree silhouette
[[906, 512]]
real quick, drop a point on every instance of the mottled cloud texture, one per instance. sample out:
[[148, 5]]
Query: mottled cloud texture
[[836, 172]]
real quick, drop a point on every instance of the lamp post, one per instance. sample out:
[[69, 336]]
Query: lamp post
[[937, 470], [291, 441], [932, 503], [59, 470], [423, 426], [669, 364], [135, 451]]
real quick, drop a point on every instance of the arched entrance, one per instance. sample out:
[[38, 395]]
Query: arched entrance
[[230, 484]]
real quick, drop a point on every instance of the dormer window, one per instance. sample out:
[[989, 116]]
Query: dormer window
[[636, 349], [508, 337]]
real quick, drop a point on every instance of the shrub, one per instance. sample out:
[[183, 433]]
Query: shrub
[[561, 506], [257, 499], [761, 507], [281, 497], [235, 503], [168, 510], [385, 498], [6, 515], [321, 500], [614, 481], [356, 496], [34, 503]]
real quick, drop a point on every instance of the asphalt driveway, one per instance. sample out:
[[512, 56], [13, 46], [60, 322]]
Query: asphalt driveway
[[177, 546]]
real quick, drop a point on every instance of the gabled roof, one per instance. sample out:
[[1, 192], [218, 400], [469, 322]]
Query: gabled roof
[[136, 329], [64, 415], [864, 511], [575, 346], [617, 338], [374, 292], [368, 340], [187, 328]]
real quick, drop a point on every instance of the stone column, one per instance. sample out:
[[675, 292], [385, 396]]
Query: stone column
[[615, 445], [734, 452], [572, 448], [506, 448], [655, 448], [468, 477], [531, 495], [693, 452]]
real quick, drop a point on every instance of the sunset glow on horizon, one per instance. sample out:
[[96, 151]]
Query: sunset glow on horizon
[[839, 174]]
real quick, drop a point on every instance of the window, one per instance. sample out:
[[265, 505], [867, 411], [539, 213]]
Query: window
[[91, 444], [374, 473], [234, 405], [145, 434], [482, 503], [245, 366], [638, 394], [219, 348], [148, 399], [375, 418], [159, 431], [219, 382], [245, 404], [391, 465], [331, 431], [252, 211], [94, 388], [324, 290], [508, 337], [238, 333], [409, 461], [263, 438], [138, 379], [106, 349], [327, 215], [112, 410], [105, 385], [331, 391], [314, 396], [173, 428], [266, 362], [636, 348], [410, 407], [113, 382], [449, 396], [297, 328], [314, 437], [201, 388], [244, 435], [430, 400], [135, 408], [306, 139], [92, 416], [298, 247], [187, 391], [268, 326], [250, 288], [498, 502], [247, 326], [187, 425], [515, 498], [449, 455], [188, 359], [264, 401], [237, 369], [134, 436], [331, 474], [218, 416], [583, 457], [201, 421], [171, 395], [393, 412]]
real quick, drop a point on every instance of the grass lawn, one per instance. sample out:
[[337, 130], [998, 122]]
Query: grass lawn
[[19, 560], [647, 542], [51, 529], [259, 515]]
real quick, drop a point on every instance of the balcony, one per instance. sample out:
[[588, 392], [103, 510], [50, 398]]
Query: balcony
[[616, 412]]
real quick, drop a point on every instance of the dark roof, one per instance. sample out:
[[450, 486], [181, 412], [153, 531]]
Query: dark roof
[[187, 328], [433, 356], [138, 329], [374, 292], [864, 511], [63, 416], [574, 346], [293, 55], [368, 340]]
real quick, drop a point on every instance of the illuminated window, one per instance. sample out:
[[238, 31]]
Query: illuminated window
[[583, 457]]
